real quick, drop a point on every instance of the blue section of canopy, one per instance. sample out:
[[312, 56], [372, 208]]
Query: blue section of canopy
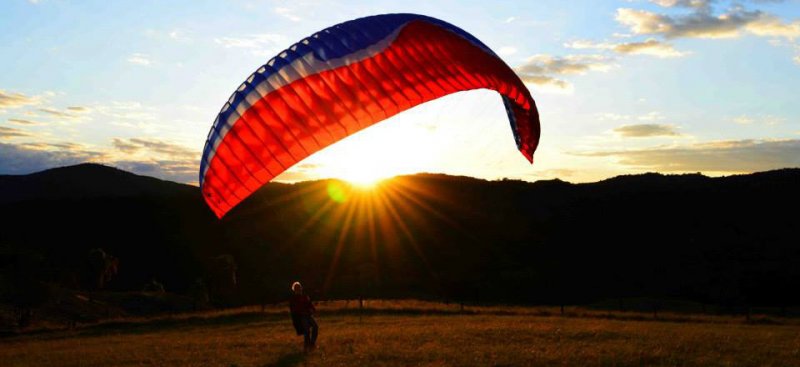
[[331, 43]]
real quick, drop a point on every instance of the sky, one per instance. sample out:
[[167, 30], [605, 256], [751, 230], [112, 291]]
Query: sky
[[622, 87]]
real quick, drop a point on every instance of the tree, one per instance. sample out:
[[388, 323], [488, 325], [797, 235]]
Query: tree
[[102, 267], [223, 279]]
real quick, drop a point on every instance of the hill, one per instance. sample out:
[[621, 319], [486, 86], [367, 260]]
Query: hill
[[727, 241]]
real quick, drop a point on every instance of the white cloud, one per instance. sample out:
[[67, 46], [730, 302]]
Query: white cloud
[[651, 47], [140, 59], [178, 35], [287, 13], [651, 116], [264, 45], [15, 100], [548, 84], [507, 51], [611, 116], [771, 26], [758, 119]]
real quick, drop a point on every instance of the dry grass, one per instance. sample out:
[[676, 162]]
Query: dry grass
[[413, 333]]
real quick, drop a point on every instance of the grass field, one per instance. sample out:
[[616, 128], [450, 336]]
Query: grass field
[[413, 333]]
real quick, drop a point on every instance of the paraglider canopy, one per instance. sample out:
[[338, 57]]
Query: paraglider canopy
[[341, 80]]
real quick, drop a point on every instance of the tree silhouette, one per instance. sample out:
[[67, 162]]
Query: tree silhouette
[[102, 266]]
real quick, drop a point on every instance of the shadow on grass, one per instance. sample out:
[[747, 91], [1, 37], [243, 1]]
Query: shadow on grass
[[250, 318], [288, 360], [153, 325]]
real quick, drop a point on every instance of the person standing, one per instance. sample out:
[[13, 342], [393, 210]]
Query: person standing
[[303, 311]]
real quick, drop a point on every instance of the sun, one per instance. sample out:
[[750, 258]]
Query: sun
[[363, 179], [365, 176]]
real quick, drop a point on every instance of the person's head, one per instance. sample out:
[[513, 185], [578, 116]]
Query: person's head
[[297, 288]]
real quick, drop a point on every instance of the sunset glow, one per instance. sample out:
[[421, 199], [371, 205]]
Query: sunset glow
[[616, 95]]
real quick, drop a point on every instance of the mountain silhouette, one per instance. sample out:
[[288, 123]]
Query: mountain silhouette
[[725, 240], [84, 181]]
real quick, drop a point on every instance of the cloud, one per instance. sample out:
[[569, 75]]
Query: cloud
[[140, 59], [264, 45], [125, 147], [154, 146], [14, 100], [184, 171], [771, 26], [28, 158], [797, 59], [23, 121], [138, 155], [48, 146], [565, 65], [760, 120], [697, 4], [548, 83], [287, 13], [586, 44], [507, 51], [646, 130], [69, 114], [510, 19], [651, 116], [175, 35], [698, 24], [651, 47], [541, 70], [701, 23], [178, 35], [611, 116], [10, 132], [719, 156]]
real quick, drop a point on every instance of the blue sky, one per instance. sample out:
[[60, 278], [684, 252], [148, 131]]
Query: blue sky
[[622, 86]]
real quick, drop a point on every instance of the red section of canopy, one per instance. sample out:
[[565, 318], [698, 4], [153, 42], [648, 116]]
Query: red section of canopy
[[424, 62]]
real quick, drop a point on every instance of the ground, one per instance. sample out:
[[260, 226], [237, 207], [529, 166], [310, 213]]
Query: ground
[[411, 333]]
